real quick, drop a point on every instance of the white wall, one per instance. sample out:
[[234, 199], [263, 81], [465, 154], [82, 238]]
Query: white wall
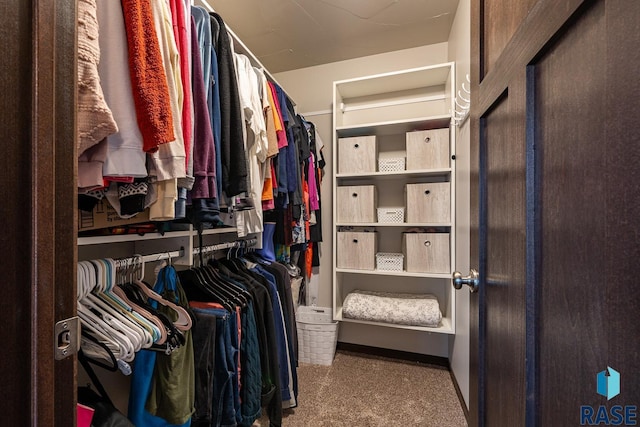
[[311, 88], [460, 52]]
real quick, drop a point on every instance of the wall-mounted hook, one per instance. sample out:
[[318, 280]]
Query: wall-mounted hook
[[464, 107], [463, 98]]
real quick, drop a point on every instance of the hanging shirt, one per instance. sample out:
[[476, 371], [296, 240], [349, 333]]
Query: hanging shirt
[[95, 120], [168, 161], [234, 163], [180, 33], [125, 156], [268, 107], [213, 101], [277, 116], [250, 221], [179, 403], [204, 162], [149, 82]]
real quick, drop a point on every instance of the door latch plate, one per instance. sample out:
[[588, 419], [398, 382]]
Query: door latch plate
[[66, 337]]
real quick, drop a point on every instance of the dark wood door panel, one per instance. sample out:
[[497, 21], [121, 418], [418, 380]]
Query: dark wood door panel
[[590, 198], [544, 19], [580, 233], [504, 268], [571, 136], [505, 17]]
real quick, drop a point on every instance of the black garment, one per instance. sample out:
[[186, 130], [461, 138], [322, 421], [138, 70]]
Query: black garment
[[315, 230], [302, 136], [283, 283], [204, 341], [295, 132], [315, 259], [234, 161], [271, 398]]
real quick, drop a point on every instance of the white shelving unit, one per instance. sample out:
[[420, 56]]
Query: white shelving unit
[[388, 106]]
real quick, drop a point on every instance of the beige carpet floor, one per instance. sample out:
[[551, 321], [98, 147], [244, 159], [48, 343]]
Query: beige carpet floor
[[367, 391]]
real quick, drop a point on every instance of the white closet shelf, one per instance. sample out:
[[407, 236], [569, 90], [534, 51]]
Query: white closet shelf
[[122, 238], [391, 224], [395, 273], [394, 127], [444, 328], [397, 174], [395, 81], [223, 230]]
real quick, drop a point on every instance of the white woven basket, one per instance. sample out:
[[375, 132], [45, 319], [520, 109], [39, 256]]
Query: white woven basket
[[317, 335], [386, 261], [391, 164], [395, 215]]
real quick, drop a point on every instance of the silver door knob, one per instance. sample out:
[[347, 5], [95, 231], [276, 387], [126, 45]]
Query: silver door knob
[[472, 280]]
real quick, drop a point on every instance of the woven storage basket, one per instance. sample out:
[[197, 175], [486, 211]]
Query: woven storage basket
[[391, 164], [317, 335], [386, 261], [395, 215]]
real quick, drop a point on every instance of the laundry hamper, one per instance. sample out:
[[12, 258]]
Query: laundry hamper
[[317, 335]]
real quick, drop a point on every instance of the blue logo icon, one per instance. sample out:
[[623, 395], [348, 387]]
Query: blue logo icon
[[609, 383]]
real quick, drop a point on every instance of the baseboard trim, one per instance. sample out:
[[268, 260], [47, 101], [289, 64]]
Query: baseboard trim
[[441, 362], [460, 396]]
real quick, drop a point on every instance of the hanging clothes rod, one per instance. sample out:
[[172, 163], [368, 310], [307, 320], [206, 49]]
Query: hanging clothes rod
[[227, 245], [240, 47], [121, 262]]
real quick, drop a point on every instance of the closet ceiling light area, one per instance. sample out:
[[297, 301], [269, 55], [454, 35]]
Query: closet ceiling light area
[[291, 34]]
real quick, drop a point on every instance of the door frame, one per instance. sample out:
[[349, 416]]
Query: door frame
[[39, 234]]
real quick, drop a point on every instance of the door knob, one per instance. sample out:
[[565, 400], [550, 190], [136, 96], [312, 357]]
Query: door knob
[[472, 280]]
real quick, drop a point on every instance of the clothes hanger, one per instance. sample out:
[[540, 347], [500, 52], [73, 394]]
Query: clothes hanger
[[210, 289], [174, 338], [114, 299], [120, 344], [143, 317], [123, 312], [113, 314], [235, 293], [239, 293], [184, 321], [97, 352], [91, 324], [157, 323]]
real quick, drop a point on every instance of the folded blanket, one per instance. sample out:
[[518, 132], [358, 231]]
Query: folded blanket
[[391, 307]]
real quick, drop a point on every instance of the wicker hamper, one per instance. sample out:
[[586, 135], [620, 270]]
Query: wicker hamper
[[317, 335]]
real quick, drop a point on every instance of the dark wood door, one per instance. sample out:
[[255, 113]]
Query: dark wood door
[[555, 208], [37, 209]]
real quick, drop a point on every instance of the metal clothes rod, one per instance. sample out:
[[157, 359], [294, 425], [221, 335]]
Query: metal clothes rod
[[121, 262], [227, 245]]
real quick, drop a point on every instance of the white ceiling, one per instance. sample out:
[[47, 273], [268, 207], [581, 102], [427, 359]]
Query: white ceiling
[[291, 34]]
